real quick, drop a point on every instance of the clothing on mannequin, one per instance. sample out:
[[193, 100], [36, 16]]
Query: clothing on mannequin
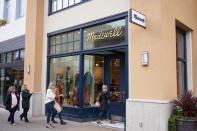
[[68, 82]]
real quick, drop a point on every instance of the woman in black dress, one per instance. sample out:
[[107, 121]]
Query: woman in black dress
[[25, 102]]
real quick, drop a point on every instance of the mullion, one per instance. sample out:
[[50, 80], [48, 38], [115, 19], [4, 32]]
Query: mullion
[[67, 42], [56, 4], [181, 59], [61, 43], [73, 41], [62, 4], [55, 45]]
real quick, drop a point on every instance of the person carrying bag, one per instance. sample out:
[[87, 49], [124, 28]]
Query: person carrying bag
[[49, 103]]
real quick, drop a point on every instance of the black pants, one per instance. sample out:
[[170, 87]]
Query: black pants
[[11, 116], [24, 114]]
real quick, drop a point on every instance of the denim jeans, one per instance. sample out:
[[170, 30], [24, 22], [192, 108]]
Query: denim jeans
[[55, 113], [49, 110], [11, 116], [24, 114], [104, 112]]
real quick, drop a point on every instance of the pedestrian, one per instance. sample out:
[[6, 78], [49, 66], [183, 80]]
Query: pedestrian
[[12, 101], [25, 102], [104, 100], [49, 101], [58, 96]]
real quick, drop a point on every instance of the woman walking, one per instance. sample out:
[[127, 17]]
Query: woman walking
[[58, 96], [104, 100], [25, 102], [12, 101], [50, 98]]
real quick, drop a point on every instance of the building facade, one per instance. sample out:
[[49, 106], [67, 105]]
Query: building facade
[[12, 45], [83, 44]]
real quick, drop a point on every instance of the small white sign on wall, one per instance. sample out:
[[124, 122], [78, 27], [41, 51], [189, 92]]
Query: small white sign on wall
[[137, 18]]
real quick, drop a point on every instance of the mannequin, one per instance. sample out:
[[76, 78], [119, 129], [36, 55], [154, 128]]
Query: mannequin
[[68, 82]]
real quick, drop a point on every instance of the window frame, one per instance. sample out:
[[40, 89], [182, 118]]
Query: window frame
[[82, 52], [183, 60], [50, 12]]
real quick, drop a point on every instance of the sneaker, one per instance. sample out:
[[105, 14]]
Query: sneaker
[[98, 121], [111, 122], [26, 120], [62, 122], [21, 118], [13, 124], [54, 121], [47, 126], [8, 120], [52, 125]]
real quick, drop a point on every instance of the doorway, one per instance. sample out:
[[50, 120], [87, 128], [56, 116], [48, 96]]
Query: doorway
[[108, 67]]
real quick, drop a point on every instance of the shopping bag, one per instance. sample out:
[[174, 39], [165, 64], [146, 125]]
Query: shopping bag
[[97, 104], [57, 107]]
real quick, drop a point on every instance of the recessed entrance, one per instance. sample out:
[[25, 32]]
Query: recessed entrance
[[108, 67]]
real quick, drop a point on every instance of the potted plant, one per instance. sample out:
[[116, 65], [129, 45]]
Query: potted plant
[[2, 23], [184, 115]]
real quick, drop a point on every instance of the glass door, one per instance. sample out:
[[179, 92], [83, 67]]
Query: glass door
[[2, 86], [114, 78]]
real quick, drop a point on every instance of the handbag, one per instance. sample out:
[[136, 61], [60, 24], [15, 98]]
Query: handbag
[[57, 107], [97, 104]]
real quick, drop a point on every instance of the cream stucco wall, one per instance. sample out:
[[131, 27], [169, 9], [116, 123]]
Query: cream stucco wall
[[159, 80], [16, 27]]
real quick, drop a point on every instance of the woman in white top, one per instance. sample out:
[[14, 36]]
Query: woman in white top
[[50, 98], [12, 101]]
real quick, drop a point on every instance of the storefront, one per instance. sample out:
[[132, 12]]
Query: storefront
[[12, 54], [85, 57], [11, 72]]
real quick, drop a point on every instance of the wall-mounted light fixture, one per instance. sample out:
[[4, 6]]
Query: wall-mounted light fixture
[[28, 68], [144, 58]]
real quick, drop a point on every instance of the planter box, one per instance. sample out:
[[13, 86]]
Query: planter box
[[186, 125]]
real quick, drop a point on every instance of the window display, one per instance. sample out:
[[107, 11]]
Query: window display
[[65, 72], [93, 78]]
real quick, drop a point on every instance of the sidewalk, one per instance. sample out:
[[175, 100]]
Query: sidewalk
[[38, 124]]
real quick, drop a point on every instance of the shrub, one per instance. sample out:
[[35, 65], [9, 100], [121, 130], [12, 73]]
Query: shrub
[[185, 108]]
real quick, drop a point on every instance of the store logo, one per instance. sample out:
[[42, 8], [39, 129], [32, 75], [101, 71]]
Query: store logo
[[105, 35], [137, 18]]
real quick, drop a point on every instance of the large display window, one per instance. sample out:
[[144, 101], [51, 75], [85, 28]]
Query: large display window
[[65, 70]]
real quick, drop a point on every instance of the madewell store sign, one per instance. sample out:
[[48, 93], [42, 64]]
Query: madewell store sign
[[137, 18]]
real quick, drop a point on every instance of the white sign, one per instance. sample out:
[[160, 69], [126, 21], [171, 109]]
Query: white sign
[[137, 18]]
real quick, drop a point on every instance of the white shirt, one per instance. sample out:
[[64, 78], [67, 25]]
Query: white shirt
[[14, 100], [50, 96]]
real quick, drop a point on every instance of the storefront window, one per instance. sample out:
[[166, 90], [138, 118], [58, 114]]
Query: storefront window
[[16, 55], [112, 33], [60, 4], [2, 85], [66, 42], [65, 70], [9, 57], [93, 78], [3, 58], [22, 54], [181, 62]]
